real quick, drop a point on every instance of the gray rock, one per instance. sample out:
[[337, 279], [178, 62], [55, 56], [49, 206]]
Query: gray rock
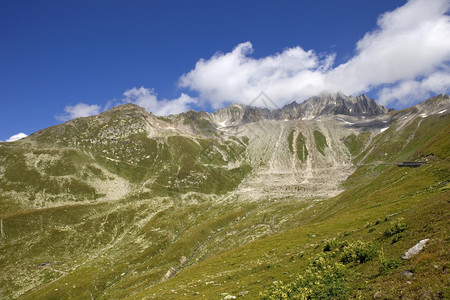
[[243, 293], [415, 250], [407, 274]]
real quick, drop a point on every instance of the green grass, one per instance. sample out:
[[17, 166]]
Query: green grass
[[320, 141], [283, 256], [291, 140], [356, 143], [302, 151]]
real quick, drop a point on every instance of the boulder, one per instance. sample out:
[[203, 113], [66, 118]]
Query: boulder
[[415, 250]]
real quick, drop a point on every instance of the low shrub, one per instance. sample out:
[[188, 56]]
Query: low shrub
[[397, 238], [387, 265], [321, 280], [395, 227], [326, 274], [359, 252]]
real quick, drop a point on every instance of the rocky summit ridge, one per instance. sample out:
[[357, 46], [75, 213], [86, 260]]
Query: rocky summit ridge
[[314, 107]]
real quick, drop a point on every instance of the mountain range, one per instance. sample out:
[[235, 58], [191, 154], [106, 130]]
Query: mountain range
[[130, 205]]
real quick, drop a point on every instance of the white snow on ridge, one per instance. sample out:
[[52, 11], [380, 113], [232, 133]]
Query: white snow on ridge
[[345, 121], [384, 129], [222, 124], [442, 111]]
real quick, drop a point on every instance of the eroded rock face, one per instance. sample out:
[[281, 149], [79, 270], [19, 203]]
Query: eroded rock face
[[314, 107]]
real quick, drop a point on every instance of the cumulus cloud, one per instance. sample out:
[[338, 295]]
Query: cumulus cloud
[[144, 97], [78, 110], [236, 77], [410, 90], [409, 50], [148, 99], [16, 137], [411, 42]]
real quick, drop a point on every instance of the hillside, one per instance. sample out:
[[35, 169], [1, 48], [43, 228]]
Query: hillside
[[127, 204]]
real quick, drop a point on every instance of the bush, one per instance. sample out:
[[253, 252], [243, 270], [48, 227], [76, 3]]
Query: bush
[[321, 280], [333, 245], [387, 265], [359, 252], [326, 275], [397, 238], [395, 227]]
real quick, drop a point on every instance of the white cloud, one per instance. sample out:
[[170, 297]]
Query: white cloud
[[412, 41], [408, 91], [16, 137], [236, 77], [410, 49], [148, 99], [77, 111]]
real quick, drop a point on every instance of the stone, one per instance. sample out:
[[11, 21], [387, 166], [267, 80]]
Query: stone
[[407, 274], [415, 250]]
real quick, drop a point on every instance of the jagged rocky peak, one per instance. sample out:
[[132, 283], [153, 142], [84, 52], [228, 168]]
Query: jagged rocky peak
[[338, 103], [324, 104], [439, 104], [230, 115]]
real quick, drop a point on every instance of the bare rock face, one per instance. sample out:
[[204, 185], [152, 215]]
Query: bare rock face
[[314, 107], [331, 104]]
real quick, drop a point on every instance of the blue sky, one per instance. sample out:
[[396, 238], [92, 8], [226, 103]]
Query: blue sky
[[65, 59]]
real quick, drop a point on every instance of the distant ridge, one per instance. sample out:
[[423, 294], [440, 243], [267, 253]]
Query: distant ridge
[[325, 104]]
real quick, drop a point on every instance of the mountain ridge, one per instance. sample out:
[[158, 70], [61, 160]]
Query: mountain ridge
[[127, 204]]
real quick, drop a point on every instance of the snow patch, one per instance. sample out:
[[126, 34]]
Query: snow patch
[[423, 116], [350, 123], [442, 111], [384, 129], [223, 124]]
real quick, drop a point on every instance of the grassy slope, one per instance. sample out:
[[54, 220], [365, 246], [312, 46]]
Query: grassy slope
[[351, 216], [129, 245], [420, 196]]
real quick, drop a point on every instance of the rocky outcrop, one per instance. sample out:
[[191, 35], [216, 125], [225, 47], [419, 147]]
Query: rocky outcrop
[[314, 107]]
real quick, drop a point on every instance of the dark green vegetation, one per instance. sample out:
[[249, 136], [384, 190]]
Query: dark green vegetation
[[177, 231], [302, 151], [300, 144], [291, 141], [321, 141]]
